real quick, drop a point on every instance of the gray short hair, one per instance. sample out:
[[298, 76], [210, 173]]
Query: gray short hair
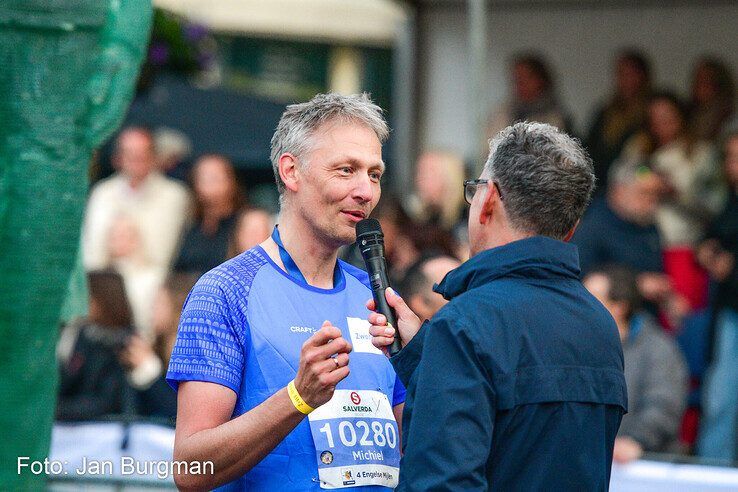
[[545, 178], [300, 121]]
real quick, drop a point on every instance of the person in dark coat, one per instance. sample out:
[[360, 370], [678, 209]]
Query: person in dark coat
[[217, 200], [517, 383], [718, 253], [92, 382]]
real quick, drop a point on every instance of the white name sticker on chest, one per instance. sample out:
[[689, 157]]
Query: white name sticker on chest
[[360, 337]]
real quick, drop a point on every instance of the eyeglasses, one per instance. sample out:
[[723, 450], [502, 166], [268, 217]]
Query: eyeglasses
[[471, 185]]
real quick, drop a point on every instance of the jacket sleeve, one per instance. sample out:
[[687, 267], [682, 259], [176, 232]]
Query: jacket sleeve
[[450, 433], [406, 360], [655, 423]]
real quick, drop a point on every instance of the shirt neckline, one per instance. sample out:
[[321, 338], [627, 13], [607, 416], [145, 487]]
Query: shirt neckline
[[338, 287]]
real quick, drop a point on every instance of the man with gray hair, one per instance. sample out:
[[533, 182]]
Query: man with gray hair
[[264, 338], [517, 383]]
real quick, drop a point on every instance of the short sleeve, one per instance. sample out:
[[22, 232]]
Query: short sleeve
[[208, 347]]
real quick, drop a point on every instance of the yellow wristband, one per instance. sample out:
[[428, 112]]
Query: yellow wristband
[[297, 400]]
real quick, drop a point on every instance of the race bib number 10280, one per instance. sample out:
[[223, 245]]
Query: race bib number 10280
[[356, 440]]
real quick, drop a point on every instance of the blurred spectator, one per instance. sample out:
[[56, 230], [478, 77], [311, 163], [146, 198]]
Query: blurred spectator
[[718, 436], [253, 226], [417, 286], [619, 228], [217, 199], [689, 167], [173, 148], [694, 194], [713, 96], [125, 255], [622, 116], [439, 196], [533, 99], [655, 371], [157, 205], [92, 382], [145, 364]]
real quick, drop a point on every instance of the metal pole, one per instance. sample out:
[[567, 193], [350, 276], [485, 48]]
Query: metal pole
[[403, 102], [477, 21]]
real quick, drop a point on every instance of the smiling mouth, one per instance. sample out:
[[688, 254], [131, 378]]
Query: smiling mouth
[[355, 215]]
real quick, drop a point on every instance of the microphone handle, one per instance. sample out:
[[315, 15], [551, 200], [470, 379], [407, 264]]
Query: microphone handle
[[380, 302], [379, 282]]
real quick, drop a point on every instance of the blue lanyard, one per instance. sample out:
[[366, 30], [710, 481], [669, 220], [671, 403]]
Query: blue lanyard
[[292, 269]]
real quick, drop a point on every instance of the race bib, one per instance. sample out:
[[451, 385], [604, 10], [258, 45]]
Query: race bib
[[356, 440]]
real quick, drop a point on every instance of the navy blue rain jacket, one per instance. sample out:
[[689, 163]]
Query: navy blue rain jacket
[[517, 383]]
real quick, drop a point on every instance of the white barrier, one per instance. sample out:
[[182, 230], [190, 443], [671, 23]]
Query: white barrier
[[656, 476], [142, 451], [112, 450]]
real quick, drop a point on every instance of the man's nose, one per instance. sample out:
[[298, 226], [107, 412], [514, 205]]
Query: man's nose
[[364, 189]]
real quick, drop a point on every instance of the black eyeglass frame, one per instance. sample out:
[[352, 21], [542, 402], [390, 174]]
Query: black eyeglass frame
[[476, 183]]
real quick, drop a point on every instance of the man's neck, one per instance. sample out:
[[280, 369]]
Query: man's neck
[[313, 256], [503, 236]]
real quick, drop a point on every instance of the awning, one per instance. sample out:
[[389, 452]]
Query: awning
[[359, 22]]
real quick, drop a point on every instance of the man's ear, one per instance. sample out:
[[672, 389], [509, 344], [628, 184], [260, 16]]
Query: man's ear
[[288, 171], [570, 234], [490, 203]]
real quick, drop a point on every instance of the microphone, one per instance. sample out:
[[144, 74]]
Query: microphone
[[370, 240]]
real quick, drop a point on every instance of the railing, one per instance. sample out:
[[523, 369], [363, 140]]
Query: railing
[[129, 453]]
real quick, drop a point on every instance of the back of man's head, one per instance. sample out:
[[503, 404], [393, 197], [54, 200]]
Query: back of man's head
[[545, 178], [299, 122]]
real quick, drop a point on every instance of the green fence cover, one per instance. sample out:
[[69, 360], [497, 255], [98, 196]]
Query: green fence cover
[[67, 73]]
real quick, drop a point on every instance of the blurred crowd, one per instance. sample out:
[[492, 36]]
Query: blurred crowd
[[657, 247]]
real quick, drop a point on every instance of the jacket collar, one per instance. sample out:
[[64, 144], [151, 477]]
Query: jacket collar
[[533, 257]]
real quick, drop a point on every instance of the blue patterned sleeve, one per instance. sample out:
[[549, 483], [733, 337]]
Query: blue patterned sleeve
[[208, 346]]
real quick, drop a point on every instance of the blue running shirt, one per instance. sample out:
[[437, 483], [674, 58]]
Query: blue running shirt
[[243, 326]]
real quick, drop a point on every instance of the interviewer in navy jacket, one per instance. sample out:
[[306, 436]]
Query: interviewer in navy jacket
[[517, 383]]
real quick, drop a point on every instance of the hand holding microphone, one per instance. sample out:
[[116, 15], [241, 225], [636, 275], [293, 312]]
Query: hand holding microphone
[[385, 302], [383, 335]]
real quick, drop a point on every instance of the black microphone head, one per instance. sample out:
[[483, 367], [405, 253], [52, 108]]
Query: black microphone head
[[368, 226], [369, 238]]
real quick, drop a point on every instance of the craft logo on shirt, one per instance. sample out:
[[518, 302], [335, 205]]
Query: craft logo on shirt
[[302, 329], [347, 477]]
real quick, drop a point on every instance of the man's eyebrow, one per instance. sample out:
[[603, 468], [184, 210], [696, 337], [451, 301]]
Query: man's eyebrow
[[355, 162]]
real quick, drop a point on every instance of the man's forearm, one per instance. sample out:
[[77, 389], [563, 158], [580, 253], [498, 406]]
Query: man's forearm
[[236, 446]]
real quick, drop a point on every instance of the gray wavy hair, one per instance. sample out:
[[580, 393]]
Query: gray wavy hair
[[300, 121], [545, 176]]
